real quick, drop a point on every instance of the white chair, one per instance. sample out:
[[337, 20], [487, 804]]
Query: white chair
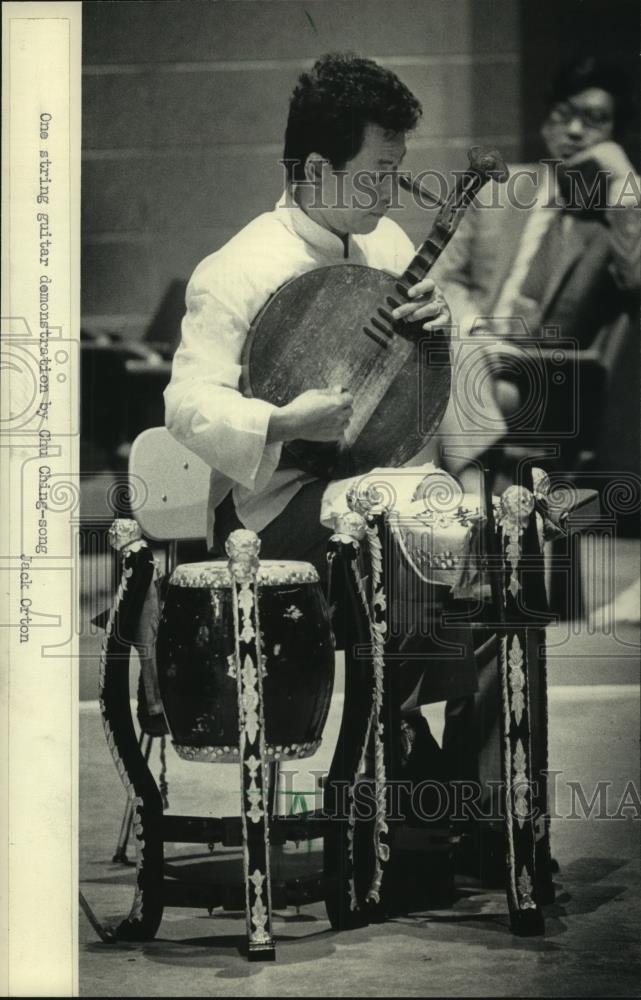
[[173, 484]]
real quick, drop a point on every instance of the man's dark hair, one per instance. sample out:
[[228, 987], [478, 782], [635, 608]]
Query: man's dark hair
[[333, 103], [589, 71]]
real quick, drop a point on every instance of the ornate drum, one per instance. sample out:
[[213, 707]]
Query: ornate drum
[[197, 660]]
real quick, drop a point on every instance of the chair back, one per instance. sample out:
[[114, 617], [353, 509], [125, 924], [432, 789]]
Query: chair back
[[169, 486]]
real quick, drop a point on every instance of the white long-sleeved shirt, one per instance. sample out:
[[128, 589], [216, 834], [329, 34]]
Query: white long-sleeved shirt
[[204, 407]]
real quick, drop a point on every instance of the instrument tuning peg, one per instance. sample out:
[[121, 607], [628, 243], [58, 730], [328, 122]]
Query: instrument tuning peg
[[488, 162]]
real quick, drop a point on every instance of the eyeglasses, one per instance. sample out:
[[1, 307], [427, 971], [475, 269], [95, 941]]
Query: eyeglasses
[[592, 118]]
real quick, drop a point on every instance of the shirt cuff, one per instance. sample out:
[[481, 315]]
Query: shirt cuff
[[250, 460]]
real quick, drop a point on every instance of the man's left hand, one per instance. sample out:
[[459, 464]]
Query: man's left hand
[[427, 305]]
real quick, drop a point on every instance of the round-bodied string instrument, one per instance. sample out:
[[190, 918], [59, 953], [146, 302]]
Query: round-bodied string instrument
[[334, 326], [197, 660]]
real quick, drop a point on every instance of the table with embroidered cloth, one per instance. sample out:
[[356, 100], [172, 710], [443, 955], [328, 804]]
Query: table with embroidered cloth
[[441, 542]]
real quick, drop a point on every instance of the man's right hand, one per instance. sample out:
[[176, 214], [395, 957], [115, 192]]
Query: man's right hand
[[315, 415]]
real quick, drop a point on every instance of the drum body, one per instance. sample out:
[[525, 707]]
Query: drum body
[[196, 656]]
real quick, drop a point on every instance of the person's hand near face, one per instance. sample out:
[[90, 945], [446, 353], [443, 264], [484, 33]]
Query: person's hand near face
[[610, 158]]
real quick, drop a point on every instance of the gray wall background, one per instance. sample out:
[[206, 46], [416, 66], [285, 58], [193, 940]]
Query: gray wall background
[[185, 103], [184, 110]]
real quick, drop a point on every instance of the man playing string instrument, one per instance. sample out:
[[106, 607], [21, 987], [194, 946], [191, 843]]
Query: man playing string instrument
[[344, 143], [348, 121]]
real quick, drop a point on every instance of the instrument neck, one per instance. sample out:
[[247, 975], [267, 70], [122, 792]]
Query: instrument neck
[[467, 186]]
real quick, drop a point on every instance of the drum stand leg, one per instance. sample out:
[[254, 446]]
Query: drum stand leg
[[254, 776], [256, 869], [345, 864], [526, 916], [545, 891], [146, 804], [145, 743], [273, 773], [391, 903], [126, 748]]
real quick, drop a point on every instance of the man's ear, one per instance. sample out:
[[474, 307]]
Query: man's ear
[[314, 168]]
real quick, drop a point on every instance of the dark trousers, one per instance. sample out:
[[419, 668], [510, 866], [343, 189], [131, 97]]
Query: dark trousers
[[295, 534]]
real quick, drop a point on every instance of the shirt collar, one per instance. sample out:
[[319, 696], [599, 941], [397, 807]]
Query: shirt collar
[[317, 236]]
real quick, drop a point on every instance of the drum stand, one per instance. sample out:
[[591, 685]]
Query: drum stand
[[358, 853], [146, 739], [157, 884], [364, 838]]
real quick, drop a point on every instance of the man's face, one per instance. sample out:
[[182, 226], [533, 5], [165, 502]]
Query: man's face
[[579, 122], [357, 196]]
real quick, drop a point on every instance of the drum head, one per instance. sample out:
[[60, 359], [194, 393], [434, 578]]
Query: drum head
[[271, 573]]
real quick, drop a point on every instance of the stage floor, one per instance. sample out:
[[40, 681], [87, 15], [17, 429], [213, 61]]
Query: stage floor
[[591, 947]]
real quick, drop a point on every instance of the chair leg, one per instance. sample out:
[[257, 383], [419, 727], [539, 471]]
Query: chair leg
[[120, 854]]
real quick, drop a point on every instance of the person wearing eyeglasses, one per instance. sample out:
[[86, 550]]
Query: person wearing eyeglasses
[[558, 247]]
